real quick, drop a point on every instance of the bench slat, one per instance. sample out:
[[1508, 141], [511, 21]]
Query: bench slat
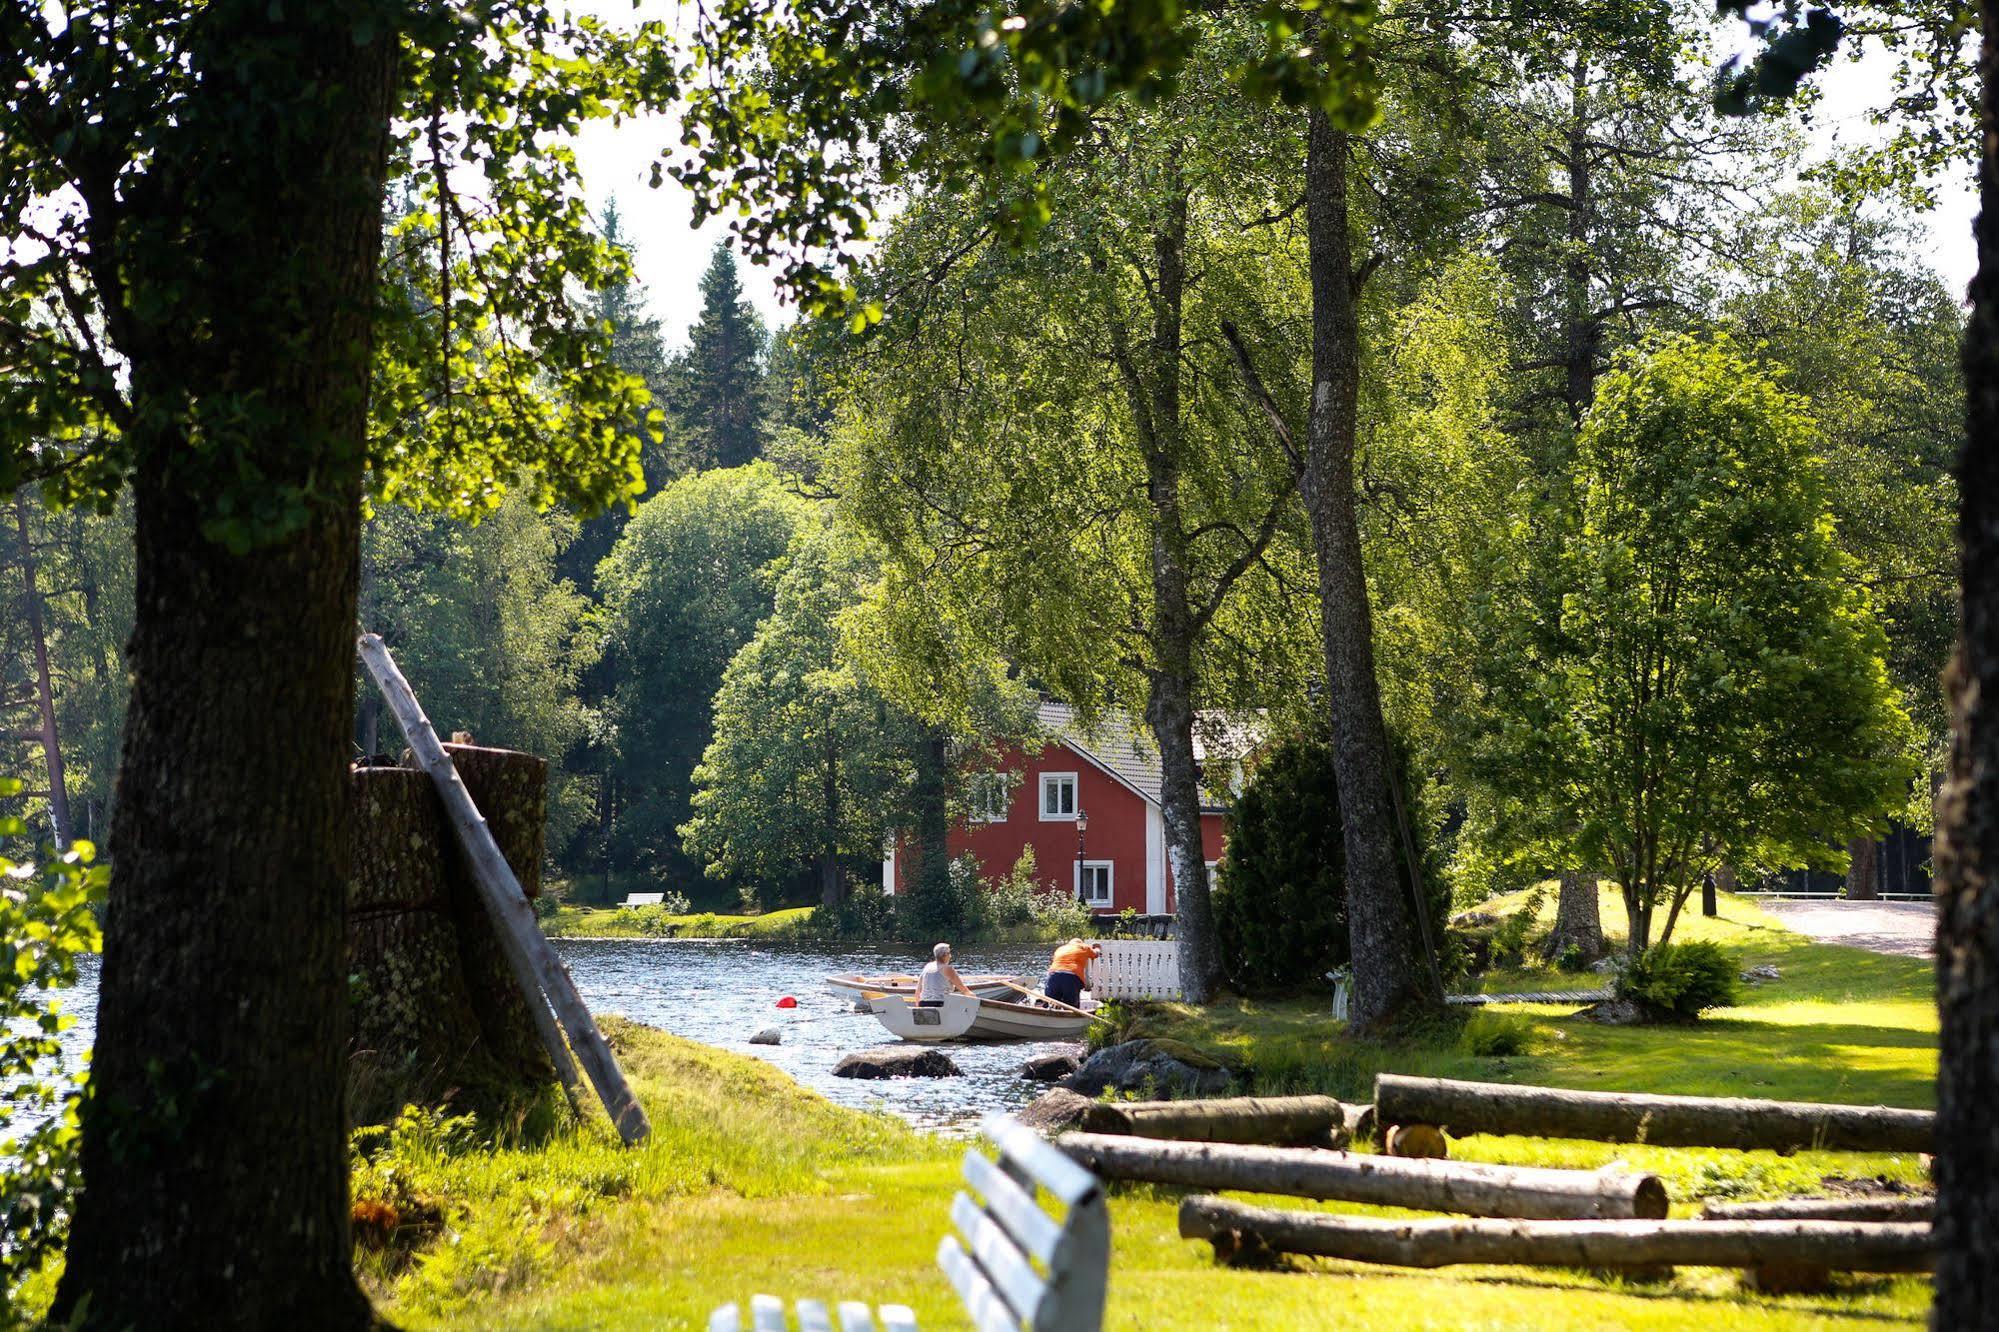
[[766, 1313], [728, 1318], [989, 1313], [812, 1316], [1003, 1263], [1033, 1229], [898, 1318], [855, 1317], [1051, 1169]]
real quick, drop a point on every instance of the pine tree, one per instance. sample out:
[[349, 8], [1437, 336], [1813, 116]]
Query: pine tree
[[719, 398]]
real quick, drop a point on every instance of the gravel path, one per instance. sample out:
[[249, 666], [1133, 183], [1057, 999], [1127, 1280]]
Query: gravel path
[[1906, 929]]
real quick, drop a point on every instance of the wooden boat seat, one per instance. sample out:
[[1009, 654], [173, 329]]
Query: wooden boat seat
[[1015, 1265]]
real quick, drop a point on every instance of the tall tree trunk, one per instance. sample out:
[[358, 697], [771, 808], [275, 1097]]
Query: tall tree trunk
[[1578, 918], [1863, 871], [214, 1150], [1387, 976], [1580, 332], [45, 694], [1967, 842], [1153, 388]]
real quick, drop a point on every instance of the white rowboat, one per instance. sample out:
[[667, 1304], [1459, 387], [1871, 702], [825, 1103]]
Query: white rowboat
[[861, 988], [970, 1018]]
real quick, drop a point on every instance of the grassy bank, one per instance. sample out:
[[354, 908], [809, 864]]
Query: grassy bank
[[752, 1184], [655, 923], [793, 923]]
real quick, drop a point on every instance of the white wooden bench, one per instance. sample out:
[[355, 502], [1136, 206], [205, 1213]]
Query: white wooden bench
[[1016, 1267]]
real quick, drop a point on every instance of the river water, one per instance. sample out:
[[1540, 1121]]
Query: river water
[[722, 991]]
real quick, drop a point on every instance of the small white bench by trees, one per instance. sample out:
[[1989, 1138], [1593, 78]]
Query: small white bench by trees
[[1017, 1268]]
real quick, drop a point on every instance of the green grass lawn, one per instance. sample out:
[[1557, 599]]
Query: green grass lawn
[[753, 1184]]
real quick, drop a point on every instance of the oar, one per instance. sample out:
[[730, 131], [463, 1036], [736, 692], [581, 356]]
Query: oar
[[1052, 1003]]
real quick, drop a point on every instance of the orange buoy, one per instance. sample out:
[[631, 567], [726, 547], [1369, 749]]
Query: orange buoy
[[787, 1002]]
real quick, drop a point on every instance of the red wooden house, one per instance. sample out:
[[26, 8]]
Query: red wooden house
[[1098, 788]]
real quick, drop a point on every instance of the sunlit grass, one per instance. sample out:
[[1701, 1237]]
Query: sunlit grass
[[753, 1184], [648, 922]]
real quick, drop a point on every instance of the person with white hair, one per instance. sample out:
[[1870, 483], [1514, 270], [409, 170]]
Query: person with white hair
[[939, 978]]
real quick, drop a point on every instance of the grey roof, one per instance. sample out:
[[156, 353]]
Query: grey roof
[[1122, 748]]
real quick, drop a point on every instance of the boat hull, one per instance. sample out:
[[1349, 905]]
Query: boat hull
[[968, 1018], [862, 988]]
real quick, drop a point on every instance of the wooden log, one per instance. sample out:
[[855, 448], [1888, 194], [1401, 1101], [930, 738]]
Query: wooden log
[[538, 969], [1917, 1207], [1833, 1245], [1360, 1119], [1465, 1108], [1420, 1141], [1317, 1121], [1471, 1188]]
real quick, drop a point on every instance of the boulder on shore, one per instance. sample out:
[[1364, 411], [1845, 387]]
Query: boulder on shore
[[897, 1061], [1051, 1067], [1164, 1069], [768, 1036], [1056, 1111]]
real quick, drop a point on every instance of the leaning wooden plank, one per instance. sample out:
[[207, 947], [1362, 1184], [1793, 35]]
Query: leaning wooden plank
[[812, 1316], [728, 1318], [1666, 1121], [897, 1318], [539, 970], [1318, 1121], [856, 1317], [766, 1313], [1919, 1208], [1836, 1245], [1433, 1186]]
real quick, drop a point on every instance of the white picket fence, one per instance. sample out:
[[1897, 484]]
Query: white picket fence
[[1136, 969]]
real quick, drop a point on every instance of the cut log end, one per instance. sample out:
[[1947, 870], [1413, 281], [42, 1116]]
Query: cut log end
[[1419, 1141]]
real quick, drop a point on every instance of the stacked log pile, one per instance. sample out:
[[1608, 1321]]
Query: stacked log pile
[[437, 1016]]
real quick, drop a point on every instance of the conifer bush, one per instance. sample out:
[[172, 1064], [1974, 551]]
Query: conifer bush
[[1281, 901]]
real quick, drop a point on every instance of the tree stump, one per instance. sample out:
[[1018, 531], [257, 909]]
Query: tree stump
[[437, 1018]]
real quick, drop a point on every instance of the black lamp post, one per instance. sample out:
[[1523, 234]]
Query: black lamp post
[[1082, 825]]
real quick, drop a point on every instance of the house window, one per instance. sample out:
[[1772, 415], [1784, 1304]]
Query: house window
[[1058, 797], [1214, 867], [989, 796], [1095, 889]]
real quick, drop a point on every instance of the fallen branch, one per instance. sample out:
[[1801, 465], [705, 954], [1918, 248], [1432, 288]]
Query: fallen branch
[[1915, 1208], [1235, 1229], [1435, 1186], [1318, 1121], [1465, 1108]]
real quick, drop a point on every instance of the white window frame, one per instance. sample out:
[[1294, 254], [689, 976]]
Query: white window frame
[[1212, 866], [988, 792], [1109, 867], [1048, 779]]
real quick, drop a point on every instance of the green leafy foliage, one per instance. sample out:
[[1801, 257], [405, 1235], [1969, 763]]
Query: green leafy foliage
[[1693, 679], [1491, 1035], [1683, 980], [47, 924], [1280, 903], [684, 589]]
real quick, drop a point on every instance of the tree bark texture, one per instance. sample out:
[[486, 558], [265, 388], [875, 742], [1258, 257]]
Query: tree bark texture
[[1436, 1186], [214, 1144], [1387, 976], [1578, 919], [1318, 1121], [1837, 1245], [1912, 1209], [1967, 841], [1863, 871], [1465, 1108], [45, 695]]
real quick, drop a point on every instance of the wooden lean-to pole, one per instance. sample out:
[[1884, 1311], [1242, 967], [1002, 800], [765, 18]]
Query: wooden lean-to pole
[[536, 967]]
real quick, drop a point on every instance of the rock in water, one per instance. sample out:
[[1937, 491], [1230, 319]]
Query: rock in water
[[897, 1061], [1056, 1111], [1050, 1067], [768, 1036], [1161, 1068]]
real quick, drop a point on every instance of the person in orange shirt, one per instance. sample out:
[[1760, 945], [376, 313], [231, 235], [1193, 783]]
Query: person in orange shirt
[[1069, 970]]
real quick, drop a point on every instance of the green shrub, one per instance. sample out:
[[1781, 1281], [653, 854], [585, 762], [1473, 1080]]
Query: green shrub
[[1682, 980], [1572, 959], [1490, 1035], [1280, 900], [1509, 941]]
